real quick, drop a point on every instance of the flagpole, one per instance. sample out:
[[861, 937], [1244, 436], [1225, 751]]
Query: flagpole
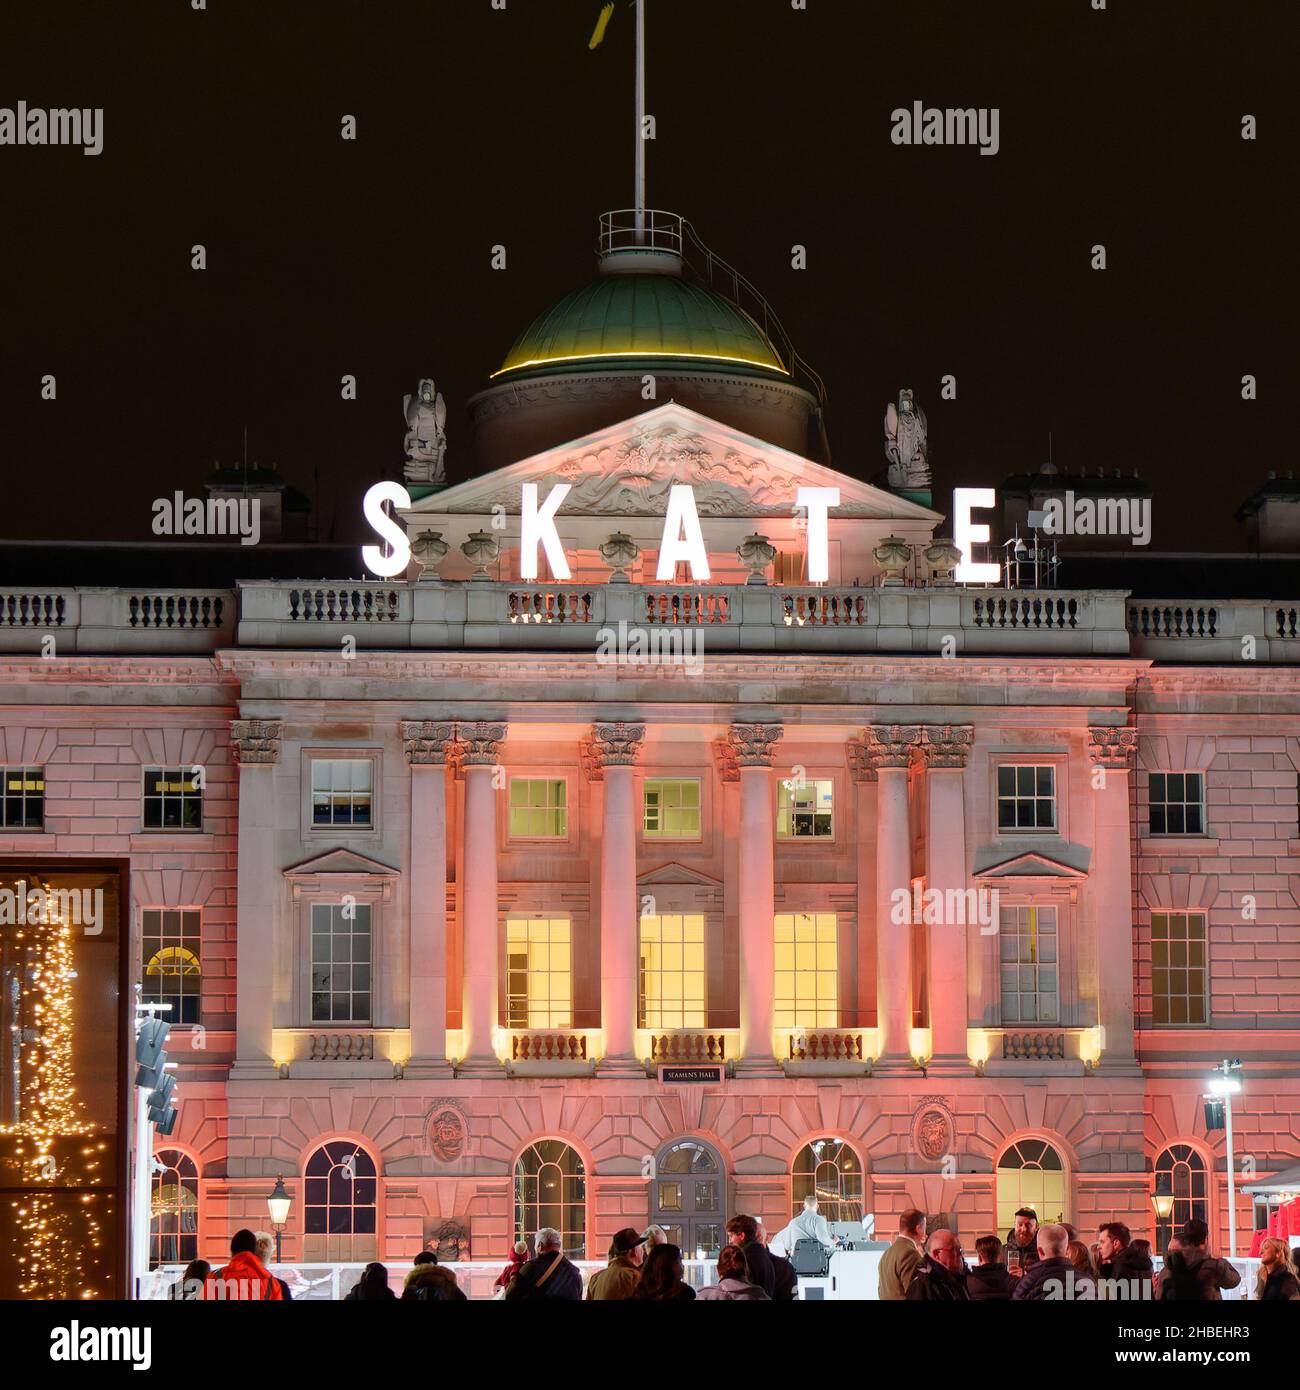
[[640, 122]]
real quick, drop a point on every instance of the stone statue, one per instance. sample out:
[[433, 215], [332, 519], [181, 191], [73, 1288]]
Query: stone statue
[[905, 444], [426, 437]]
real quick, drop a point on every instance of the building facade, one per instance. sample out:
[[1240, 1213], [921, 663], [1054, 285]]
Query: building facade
[[483, 903]]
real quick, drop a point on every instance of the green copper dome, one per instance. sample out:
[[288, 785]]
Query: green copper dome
[[642, 316]]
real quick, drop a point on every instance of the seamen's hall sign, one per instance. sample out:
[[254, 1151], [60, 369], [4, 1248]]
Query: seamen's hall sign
[[682, 541]]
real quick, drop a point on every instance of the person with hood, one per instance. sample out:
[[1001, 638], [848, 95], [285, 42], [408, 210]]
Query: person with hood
[[245, 1278], [1051, 1277], [989, 1281], [663, 1276], [1277, 1281], [619, 1278], [372, 1287], [1192, 1274], [429, 1282], [549, 1274], [735, 1283], [518, 1259], [941, 1276], [1122, 1259]]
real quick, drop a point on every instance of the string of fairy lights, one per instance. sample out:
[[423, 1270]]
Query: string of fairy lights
[[54, 1236]]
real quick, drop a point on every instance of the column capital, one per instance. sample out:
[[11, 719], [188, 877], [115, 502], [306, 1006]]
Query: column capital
[[860, 767], [256, 740], [754, 745], [946, 745], [610, 745], [1112, 747], [481, 743], [891, 745], [427, 741]]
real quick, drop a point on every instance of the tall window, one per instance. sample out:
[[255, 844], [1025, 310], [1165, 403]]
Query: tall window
[[1030, 1174], [340, 963], [342, 791], [339, 1203], [539, 808], [1179, 974], [174, 1212], [830, 1171], [672, 808], [173, 799], [805, 811], [1030, 982], [551, 1190], [539, 973], [23, 805], [1177, 803], [807, 978], [172, 973], [1027, 797], [671, 988], [1187, 1181]]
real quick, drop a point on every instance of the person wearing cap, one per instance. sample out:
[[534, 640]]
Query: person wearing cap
[[622, 1274]]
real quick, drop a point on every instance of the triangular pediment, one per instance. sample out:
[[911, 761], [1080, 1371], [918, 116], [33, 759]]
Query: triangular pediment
[[627, 469], [674, 873], [1031, 864], [341, 863]]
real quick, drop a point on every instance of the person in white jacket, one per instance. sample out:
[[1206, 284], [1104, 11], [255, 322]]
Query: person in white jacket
[[807, 1225]]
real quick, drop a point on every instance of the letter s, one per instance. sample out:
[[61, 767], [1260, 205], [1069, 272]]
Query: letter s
[[374, 559]]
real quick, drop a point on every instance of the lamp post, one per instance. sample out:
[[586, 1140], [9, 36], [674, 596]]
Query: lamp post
[[1224, 1085], [278, 1204], [1162, 1199]]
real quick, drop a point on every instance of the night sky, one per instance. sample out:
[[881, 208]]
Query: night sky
[[477, 126]]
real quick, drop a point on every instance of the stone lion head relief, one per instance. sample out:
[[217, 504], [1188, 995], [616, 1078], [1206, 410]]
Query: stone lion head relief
[[446, 1130]]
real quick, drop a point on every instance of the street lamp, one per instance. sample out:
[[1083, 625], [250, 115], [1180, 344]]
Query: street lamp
[[1223, 1086], [278, 1204], [1163, 1198]]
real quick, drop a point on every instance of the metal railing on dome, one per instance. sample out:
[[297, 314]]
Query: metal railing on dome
[[656, 230]]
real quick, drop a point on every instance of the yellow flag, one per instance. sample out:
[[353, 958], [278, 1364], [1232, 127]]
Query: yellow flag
[[602, 24]]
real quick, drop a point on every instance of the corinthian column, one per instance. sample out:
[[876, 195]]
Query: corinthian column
[[479, 925], [889, 751], [614, 749], [426, 754], [946, 748], [256, 746], [754, 746], [1111, 887]]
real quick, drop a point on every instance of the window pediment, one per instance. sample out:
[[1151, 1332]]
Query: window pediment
[[328, 872]]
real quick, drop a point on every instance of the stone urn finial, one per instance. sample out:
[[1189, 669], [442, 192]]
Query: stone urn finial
[[894, 556], [943, 557], [481, 550], [756, 553], [618, 552], [429, 550]]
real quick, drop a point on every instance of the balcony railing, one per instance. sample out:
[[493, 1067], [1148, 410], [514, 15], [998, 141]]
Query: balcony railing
[[701, 620]]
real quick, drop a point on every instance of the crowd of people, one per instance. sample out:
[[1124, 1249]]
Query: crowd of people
[[1035, 1263]]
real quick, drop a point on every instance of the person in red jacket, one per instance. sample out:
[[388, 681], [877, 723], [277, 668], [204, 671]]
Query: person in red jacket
[[518, 1259], [245, 1278]]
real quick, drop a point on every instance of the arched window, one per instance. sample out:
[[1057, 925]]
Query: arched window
[[174, 1212], [551, 1190], [339, 1204], [1031, 1174], [688, 1197], [830, 1170], [1187, 1181]]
